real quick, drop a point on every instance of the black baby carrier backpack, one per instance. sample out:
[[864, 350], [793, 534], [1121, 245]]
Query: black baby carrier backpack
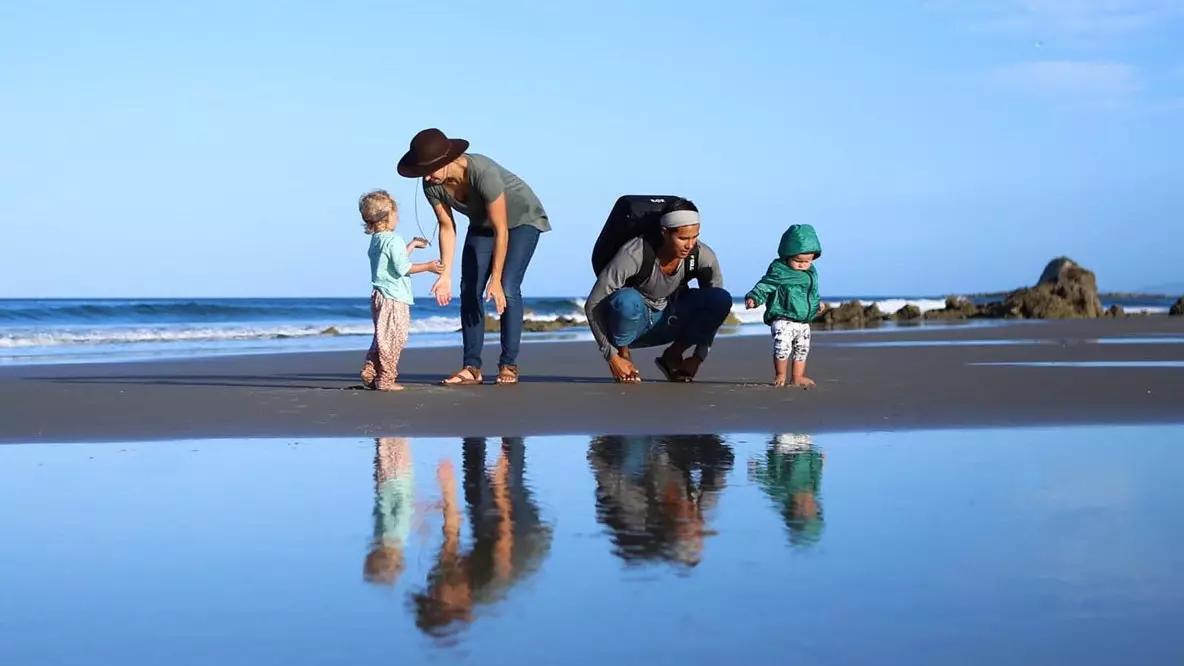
[[638, 215]]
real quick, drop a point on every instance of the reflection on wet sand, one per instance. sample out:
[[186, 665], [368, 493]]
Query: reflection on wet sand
[[791, 475], [394, 485], [509, 538], [648, 497], [1072, 557]]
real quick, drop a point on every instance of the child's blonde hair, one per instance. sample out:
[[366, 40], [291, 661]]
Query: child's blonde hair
[[378, 209]]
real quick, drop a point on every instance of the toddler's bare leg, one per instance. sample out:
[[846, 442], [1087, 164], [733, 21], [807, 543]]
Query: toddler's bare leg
[[798, 375], [801, 349], [782, 348], [780, 366]]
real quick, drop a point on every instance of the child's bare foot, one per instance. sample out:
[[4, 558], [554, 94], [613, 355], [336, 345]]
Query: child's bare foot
[[779, 380], [802, 382], [391, 387]]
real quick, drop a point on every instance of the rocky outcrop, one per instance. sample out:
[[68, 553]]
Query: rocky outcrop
[[1177, 309], [852, 314], [956, 308], [1065, 290], [1116, 310], [907, 313]]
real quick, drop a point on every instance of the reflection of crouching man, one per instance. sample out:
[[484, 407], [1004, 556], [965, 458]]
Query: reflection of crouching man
[[641, 299]]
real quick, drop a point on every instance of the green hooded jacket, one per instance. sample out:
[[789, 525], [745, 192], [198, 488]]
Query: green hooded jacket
[[786, 293], [783, 476]]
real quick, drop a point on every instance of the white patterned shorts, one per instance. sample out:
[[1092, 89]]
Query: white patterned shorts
[[791, 339]]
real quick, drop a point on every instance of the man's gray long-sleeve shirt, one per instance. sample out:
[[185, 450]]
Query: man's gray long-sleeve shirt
[[654, 289]]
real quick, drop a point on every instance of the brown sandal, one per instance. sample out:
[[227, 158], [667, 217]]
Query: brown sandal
[[459, 379], [507, 374]]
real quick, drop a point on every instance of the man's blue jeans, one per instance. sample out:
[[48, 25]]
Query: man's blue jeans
[[476, 260], [694, 317]]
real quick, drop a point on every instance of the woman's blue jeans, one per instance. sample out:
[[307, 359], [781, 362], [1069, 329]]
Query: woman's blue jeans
[[476, 260], [694, 318]]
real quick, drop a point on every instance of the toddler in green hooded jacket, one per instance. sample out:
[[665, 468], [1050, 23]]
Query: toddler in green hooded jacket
[[789, 292]]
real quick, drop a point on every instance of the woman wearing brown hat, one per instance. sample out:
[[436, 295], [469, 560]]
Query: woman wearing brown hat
[[505, 221]]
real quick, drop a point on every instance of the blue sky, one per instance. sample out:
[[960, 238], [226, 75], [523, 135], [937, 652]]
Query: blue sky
[[218, 148]]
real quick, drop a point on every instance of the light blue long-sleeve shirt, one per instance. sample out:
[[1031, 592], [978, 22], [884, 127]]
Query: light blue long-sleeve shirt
[[390, 266]]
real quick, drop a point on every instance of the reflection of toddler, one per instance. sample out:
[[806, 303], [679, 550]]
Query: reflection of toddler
[[390, 297], [792, 477], [789, 292], [394, 486]]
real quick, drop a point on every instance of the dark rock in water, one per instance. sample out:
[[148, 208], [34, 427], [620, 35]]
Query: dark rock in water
[[852, 314], [956, 308], [1065, 291], [995, 310], [332, 330], [1177, 309], [908, 312], [1116, 310], [493, 324]]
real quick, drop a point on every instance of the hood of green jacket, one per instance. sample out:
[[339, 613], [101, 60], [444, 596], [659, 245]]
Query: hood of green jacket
[[799, 239]]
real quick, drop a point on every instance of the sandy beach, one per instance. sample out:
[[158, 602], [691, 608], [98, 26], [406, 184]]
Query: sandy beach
[[565, 388]]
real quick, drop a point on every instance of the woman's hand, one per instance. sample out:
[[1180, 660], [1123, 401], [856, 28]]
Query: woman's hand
[[494, 293], [442, 289], [623, 369]]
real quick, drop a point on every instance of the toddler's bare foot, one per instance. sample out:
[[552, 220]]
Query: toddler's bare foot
[[802, 382], [779, 380], [391, 387]]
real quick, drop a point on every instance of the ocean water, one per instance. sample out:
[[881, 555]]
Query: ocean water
[[995, 546], [63, 330]]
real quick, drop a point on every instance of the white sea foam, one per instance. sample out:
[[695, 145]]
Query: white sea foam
[[424, 330]]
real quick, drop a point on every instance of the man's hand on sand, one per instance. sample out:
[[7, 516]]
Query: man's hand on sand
[[623, 370], [442, 289]]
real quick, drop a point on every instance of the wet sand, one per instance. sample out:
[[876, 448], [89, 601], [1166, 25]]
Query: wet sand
[[566, 389]]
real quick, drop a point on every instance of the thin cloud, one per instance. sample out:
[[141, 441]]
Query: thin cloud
[[1102, 84], [1170, 107], [1079, 19]]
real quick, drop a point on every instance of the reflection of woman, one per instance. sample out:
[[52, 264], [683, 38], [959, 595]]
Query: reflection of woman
[[509, 538], [393, 495], [646, 495], [792, 477]]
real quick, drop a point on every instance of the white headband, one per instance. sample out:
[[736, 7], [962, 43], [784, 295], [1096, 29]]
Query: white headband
[[679, 218]]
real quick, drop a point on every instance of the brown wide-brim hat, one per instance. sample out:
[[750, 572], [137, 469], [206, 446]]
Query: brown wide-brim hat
[[430, 150]]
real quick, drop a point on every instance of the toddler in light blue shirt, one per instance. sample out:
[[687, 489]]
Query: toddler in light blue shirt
[[390, 295]]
